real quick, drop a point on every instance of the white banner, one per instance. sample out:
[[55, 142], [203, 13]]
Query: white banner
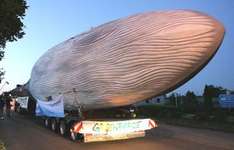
[[23, 101], [116, 127], [53, 108]]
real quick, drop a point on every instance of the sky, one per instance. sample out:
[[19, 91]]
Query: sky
[[49, 22]]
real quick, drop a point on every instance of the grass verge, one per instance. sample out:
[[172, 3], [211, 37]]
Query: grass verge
[[217, 119], [217, 126]]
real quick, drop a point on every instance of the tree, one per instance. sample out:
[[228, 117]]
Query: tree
[[171, 99], [209, 93], [190, 102], [11, 27], [2, 72]]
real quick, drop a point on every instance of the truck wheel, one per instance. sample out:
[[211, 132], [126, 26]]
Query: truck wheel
[[47, 122], [62, 128], [73, 135], [53, 125], [133, 115], [80, 137]]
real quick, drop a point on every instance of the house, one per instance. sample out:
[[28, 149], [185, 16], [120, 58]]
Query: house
[[159, 100], [226, 100]]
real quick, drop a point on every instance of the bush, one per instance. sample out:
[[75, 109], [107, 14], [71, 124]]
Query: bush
[[230, 119], [220, 115], [159, 111]]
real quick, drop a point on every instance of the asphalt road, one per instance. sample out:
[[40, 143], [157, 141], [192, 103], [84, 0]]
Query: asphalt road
[[20, 133]]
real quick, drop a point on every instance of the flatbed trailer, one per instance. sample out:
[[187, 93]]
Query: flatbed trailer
[[91, 128]]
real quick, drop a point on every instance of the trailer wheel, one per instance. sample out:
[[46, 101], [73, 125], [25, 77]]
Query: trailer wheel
[[53, 125], [80, 137], [133, 115], [62, 128], [47, 122], [73, 135]]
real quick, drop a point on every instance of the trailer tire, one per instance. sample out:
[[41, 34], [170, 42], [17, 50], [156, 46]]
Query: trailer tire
[[53, 125], [81, 137], [47, 122], [62, 128]]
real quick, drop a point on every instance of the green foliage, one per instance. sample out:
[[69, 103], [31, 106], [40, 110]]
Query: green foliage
[[187, 103], [191, 112], [11, 27], [190, 103], [171, 112], [171, 100], [209, 93], [2, 72], [220, 114], [159, 111]]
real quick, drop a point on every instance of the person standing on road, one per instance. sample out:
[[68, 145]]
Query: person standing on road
[[1, 107], [8, 105]]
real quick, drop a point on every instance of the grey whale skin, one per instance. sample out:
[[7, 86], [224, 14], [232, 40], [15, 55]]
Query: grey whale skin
[[127, 60]]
